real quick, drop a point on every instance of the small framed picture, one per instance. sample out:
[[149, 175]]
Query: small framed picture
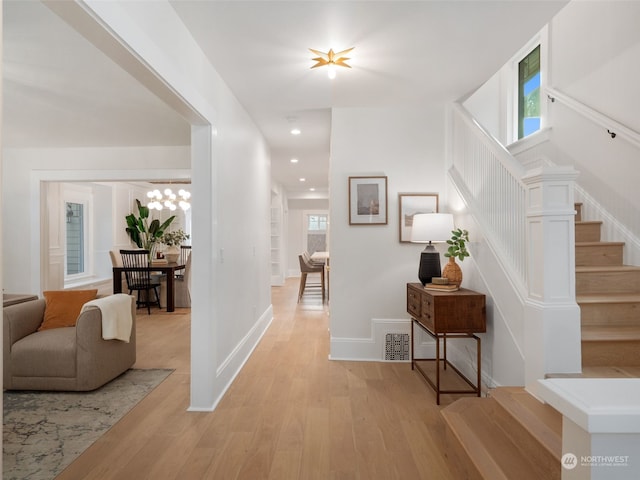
[[410, 204], [367, 200]]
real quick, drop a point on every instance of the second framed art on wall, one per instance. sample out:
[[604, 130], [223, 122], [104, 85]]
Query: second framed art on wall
[[411, 204]]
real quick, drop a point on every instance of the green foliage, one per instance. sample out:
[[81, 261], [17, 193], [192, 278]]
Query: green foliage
[[175, 238], [532, 104], [458, 244], [143, 233]]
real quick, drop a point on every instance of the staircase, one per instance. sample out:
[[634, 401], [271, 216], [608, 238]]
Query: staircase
[[608, 293], [508, 435]]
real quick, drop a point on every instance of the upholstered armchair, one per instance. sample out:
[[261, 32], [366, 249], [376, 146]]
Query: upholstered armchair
[[68, 358]]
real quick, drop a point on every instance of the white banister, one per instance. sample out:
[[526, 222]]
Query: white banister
[[490, 177]]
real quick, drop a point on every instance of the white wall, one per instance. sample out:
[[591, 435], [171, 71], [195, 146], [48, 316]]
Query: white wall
[[488, 104], [601, 70], [369, 266]]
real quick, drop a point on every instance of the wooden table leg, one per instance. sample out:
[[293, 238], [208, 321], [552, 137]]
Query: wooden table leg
[[438, 370], [479, 346], [412, 340], [170, 295]]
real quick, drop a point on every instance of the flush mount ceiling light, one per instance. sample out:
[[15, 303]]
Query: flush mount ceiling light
[[331, 59]]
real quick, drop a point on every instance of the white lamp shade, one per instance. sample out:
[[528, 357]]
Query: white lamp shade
[[431, 227]]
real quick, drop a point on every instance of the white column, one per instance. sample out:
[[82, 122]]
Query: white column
[[552, 317], [204, 299]]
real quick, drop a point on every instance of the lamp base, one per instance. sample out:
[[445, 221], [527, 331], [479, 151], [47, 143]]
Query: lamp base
[[429, 264]]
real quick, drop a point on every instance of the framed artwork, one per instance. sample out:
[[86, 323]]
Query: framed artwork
[[367, 200], [410, 204]]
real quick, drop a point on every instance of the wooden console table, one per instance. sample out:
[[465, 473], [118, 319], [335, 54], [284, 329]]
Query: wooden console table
[[444, 315]]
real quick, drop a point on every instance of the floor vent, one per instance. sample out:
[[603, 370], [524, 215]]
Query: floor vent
[[396, 346]]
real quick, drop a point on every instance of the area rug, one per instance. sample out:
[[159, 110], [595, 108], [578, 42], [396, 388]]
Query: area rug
[[45, 431]]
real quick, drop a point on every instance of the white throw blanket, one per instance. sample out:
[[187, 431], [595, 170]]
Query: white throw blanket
[[116, 316]]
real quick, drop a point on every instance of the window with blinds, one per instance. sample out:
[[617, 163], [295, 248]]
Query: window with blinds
[[75, 238]]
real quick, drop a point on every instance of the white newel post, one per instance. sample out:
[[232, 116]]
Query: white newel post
[[552, 317]]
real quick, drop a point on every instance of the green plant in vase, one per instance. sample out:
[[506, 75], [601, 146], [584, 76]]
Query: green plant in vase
[[173, 240], [143, 233], [457, 249], [458, 244]]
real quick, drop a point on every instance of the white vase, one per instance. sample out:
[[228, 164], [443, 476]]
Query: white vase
[[172, 254]]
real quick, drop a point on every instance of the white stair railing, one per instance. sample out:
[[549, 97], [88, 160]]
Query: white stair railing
[[491, 179]]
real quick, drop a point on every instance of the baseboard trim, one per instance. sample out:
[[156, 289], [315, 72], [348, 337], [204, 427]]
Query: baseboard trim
[[372, 349], [229, 369]]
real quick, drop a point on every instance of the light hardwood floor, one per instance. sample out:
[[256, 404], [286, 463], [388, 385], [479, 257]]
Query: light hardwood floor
[[290, 414]]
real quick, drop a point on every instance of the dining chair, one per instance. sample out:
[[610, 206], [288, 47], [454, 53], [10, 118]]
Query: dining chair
[[116, 261], [309, 260], [182, 287], [185, 253], [305, 269], [138, 274]]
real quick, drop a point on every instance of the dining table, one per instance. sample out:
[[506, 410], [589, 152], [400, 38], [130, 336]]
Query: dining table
[[320, 257], [167, 268]]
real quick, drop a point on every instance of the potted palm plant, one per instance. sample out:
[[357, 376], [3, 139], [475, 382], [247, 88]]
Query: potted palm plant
[[143, 233], [173, 240]]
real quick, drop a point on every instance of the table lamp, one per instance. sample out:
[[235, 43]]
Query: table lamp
[[429, 228]]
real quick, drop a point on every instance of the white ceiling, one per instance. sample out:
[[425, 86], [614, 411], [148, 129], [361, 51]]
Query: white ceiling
[[59, 90]]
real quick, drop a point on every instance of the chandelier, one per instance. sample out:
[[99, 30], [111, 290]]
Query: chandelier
[[171, 201]]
